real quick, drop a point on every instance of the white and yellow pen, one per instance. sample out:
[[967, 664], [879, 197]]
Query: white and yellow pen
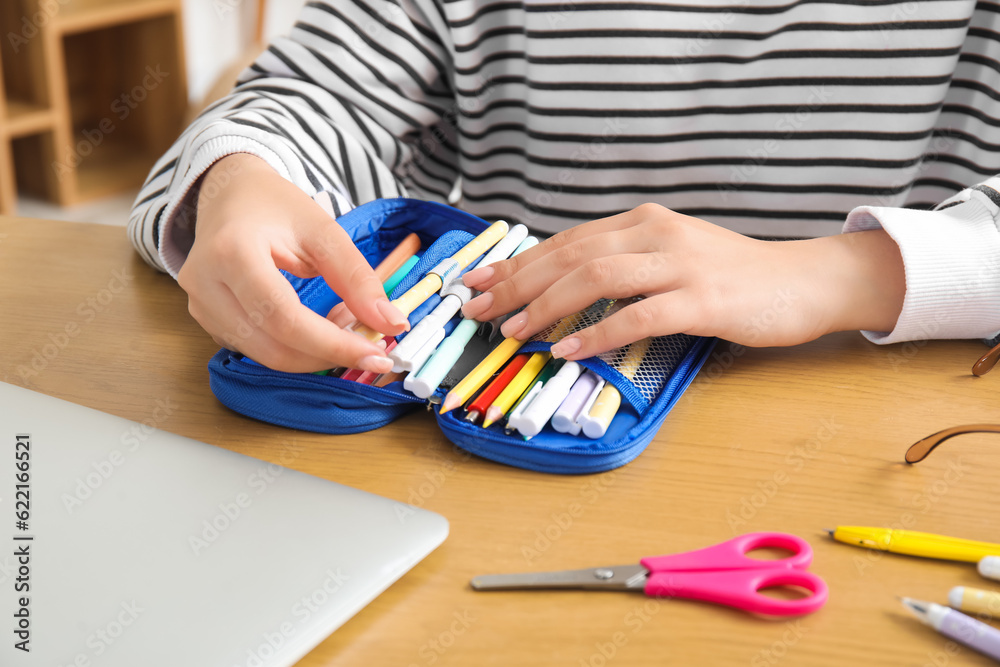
[[974, 601], [441, 274]]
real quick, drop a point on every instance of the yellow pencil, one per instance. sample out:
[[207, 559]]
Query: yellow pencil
[[480, 374], [432, 282], [596, 423], [522, 381], [912, 543], [524, 378]]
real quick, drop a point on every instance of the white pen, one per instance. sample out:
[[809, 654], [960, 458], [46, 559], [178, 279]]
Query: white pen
[[515, 417], [509, 244], [456, 294], [536, 415], [421, 357], [579, 400], [584, 417], [989, 567]]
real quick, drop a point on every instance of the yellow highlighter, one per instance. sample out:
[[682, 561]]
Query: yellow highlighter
[[480, 374], [595, 424], [912, 543], [440, 274]]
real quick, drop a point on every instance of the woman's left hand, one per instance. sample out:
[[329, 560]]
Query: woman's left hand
[[697, 278]]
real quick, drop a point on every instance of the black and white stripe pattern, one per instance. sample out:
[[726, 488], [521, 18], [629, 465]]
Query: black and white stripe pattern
[[772, 119]]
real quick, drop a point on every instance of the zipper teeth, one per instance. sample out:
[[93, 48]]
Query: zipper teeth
[[442, 251], [243, 368]]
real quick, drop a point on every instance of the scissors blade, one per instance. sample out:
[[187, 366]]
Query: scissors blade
[[615, 577]]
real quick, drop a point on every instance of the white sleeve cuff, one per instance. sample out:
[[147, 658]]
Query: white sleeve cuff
[[211, 145], [951, 257]]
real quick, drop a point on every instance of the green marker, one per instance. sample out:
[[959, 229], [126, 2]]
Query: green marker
[[398, 276]]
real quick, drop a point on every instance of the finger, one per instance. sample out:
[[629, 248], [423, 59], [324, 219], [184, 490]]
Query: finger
[[605, 277], [271, 305], [215, 308], [341, 315], [230, 329], [276, 355], [669, 313], [485, 278], [222, 343], [537, 278], [348, 273]]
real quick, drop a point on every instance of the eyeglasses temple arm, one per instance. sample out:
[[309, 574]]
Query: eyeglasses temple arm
[[919, 450], [986, 362]]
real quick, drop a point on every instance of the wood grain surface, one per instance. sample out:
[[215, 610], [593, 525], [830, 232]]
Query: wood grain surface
[[796, 439]]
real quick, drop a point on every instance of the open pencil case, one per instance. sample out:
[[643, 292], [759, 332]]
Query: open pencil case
[[328, 404]]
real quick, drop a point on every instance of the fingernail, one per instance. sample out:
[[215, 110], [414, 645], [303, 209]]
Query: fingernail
[[514, 325], [479, 305], [476, 276], [391, 313], [376, 364], [566, 347]]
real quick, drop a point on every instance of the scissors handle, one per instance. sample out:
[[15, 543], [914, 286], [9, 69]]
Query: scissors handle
[[740, 589], [732, 555]]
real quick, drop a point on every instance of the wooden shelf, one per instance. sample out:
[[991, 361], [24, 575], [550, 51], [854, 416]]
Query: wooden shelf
[[25, 118], [112, 168], [8, 192], [81, 15], [90, 98]]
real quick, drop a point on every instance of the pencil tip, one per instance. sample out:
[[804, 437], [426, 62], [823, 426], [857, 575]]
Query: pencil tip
[[450, 403], [829, 532], [492, 415]]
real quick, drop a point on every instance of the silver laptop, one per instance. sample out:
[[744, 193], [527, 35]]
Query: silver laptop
[[121, 545]]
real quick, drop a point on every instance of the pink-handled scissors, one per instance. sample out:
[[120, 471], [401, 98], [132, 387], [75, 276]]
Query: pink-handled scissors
[[722, 574]]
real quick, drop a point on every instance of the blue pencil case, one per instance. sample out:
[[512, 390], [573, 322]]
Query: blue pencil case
[[327, 404]]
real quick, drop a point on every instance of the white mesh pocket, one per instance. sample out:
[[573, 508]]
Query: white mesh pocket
[[646, 364]]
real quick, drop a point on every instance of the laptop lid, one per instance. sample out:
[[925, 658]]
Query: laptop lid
[[123, 545]]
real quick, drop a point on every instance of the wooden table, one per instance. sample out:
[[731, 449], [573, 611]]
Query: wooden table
[[795, 440]]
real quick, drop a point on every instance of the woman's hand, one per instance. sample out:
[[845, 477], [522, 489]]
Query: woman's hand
[[697, 278], [252, 222]]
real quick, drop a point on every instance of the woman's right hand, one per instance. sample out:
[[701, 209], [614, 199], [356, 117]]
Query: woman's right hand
[[252, 222]]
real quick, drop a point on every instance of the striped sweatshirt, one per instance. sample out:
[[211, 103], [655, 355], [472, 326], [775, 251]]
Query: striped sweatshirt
[[778, 119]]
